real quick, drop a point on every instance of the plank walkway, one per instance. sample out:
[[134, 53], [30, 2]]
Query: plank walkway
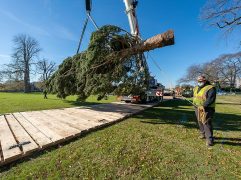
[[23, 133]]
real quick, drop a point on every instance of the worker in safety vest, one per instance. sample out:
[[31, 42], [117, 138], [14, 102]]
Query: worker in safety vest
[[204, 97]]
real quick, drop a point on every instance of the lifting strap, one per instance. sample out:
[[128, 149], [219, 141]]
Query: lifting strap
[[82, 34], [88, 10]]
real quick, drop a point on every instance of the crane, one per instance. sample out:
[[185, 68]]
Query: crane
[[131, 14], [130, 11], [155, 92], [130, 6]]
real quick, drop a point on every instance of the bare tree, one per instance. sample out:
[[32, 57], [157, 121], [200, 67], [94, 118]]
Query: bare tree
[[225, 69], [229, 68], [45, 69], [13, 71], [224, 14], [26, 49], [192, 73]]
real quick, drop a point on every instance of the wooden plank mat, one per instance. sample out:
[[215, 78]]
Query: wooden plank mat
[[47, 127], [7, 140], [56, 126], [42, 126], [64, 129], [85, 119], [96, 115], [23, 138], [73, 122], [39, 137], [108, 114], [119, 108]]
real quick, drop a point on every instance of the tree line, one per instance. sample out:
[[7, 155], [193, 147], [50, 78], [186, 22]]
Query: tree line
[[26, 62], [224, 70]]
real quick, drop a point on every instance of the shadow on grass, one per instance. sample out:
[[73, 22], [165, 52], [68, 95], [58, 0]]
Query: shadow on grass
[[172, 112], [80, 103], [229, 103], [176, 114], [228, 141]]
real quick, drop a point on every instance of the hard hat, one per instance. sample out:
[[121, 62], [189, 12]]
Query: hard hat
[[201, 78]]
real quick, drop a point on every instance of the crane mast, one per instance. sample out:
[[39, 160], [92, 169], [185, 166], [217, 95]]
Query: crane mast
[[131, 14]]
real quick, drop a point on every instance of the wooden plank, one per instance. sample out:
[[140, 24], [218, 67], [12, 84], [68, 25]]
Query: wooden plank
[[39, 137], [96, 114], [7, 140], [120, 108], [84, 119], [127, 106], [42, 126], [91, 117], [109, 114], [73, 122], [21, 135], [56, 125]]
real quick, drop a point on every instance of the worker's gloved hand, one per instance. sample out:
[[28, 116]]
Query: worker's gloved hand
[[202, 114], [201, 108]]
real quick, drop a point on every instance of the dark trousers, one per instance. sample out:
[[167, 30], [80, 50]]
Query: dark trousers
[[207, 128]]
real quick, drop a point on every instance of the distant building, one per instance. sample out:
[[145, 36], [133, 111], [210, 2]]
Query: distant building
[[238, 83]]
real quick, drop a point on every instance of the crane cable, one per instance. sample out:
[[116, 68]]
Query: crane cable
[[159, 68], [82, 34], [88, 10], [156, 64]]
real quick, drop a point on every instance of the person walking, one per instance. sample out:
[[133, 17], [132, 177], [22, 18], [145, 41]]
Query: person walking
[[45, 94], [204, 98]]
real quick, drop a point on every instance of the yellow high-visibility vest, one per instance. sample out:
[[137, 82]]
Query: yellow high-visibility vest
[[199, 98]]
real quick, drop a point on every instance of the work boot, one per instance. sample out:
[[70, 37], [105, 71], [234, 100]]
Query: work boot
[[209, 144]]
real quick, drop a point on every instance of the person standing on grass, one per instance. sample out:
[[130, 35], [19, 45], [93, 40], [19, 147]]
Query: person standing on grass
[[45, 94], [204, 97]]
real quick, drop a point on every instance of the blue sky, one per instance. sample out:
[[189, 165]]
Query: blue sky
[[56, 24]]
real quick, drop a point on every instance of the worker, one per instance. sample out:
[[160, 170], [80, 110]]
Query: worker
[[45, 94], [204, 97]]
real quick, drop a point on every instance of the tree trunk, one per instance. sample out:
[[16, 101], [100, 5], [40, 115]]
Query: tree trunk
[[158, 41], [27, 87]]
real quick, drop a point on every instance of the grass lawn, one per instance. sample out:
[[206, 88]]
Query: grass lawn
[[158, 143], [18, 102]]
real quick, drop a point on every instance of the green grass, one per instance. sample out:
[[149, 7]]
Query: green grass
[[159, 143], [18, 102]]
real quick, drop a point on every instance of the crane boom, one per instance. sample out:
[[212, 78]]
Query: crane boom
[[131, 14]]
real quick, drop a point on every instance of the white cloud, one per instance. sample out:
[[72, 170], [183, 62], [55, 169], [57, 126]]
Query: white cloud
[[34, 28]]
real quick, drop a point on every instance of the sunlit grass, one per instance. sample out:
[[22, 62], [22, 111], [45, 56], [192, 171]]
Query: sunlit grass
[[18, 102], [160, 143]]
